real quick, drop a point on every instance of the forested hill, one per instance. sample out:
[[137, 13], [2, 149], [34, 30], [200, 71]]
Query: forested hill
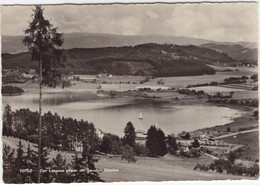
[[236, 51], [144, 59]]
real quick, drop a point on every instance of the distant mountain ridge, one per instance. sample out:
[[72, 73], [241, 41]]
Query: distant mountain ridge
[[13, 44], [236, 51]]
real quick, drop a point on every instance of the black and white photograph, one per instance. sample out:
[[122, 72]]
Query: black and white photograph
[[129, 92]]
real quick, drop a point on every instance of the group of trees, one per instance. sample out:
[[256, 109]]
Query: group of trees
[[8, 89], [246, 102], [157, 144], [20, 166], [230, 80], [65, 133], [192, 92], [230, 167], [126, 146], [58, 133]]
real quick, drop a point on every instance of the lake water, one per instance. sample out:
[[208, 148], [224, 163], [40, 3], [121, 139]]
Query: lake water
[[112, 114]]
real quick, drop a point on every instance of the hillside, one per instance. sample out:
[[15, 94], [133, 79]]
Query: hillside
[[145, 59], [237, 51]]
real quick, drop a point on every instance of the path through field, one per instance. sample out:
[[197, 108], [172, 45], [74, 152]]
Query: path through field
[[235, 133]]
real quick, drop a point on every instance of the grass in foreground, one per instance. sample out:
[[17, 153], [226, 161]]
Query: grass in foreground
[[167, 168]]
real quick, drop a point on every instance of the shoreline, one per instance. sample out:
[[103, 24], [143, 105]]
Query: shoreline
[[170, 96], [243, 121]]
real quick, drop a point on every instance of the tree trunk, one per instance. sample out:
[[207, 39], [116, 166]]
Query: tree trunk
[[40, 124]]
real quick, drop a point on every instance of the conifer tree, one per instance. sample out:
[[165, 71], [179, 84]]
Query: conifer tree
[[155, 142], [172, 144], [19, 162], [90, 145], [43, 42], [8, 165], [19, 157], [78, 164], [7, 121], [30, 162], [130, 135], [59, 163]]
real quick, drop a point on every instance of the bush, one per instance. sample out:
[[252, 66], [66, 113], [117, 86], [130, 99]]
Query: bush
[[253, 171], [128, 154], [213, 83], [140, 150], [195, 153], [255, 113], [195, 144], [228, 129], [254, 77], [111, 144], [8, 89], [172, 145], [222, 165], [201, 167]]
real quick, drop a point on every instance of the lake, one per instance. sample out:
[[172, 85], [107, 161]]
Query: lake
[[112, 114]]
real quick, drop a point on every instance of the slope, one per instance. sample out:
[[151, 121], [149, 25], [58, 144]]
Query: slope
[[145, 59], [237, 51]]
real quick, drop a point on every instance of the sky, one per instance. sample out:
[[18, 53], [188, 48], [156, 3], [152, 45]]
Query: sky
[[231, 22]]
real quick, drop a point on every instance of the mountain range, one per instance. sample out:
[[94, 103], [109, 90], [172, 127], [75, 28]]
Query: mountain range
[[13, 44], [154, 55], [236, 51]]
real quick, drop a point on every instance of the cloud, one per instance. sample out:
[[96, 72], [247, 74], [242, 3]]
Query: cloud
[[214, 21], [15, 20], [225, 22]]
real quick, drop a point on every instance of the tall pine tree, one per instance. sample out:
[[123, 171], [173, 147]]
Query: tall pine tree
[[43, 42], [155, 142], [7, 121], [8, 165], [172, 144], [130, 135]]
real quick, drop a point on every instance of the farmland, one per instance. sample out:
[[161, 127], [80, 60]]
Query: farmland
[[250, 150], [168, 168]]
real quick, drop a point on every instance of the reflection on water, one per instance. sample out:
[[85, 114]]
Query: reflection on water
[[59, 99], [112, 114]]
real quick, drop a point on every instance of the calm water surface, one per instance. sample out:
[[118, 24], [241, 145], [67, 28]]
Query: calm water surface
[[112, 114]]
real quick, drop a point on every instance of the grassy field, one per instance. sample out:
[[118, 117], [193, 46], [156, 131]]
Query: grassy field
[[130, 82], [168, 168], [250, 151]]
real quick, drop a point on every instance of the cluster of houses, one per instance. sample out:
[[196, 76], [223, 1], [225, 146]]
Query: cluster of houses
[[18, 75]]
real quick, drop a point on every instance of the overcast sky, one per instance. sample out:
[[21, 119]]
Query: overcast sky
[[214, 21]]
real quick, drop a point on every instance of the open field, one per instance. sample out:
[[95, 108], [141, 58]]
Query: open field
[[237, 70], [123, 83], [167, 168], [250, 150]]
